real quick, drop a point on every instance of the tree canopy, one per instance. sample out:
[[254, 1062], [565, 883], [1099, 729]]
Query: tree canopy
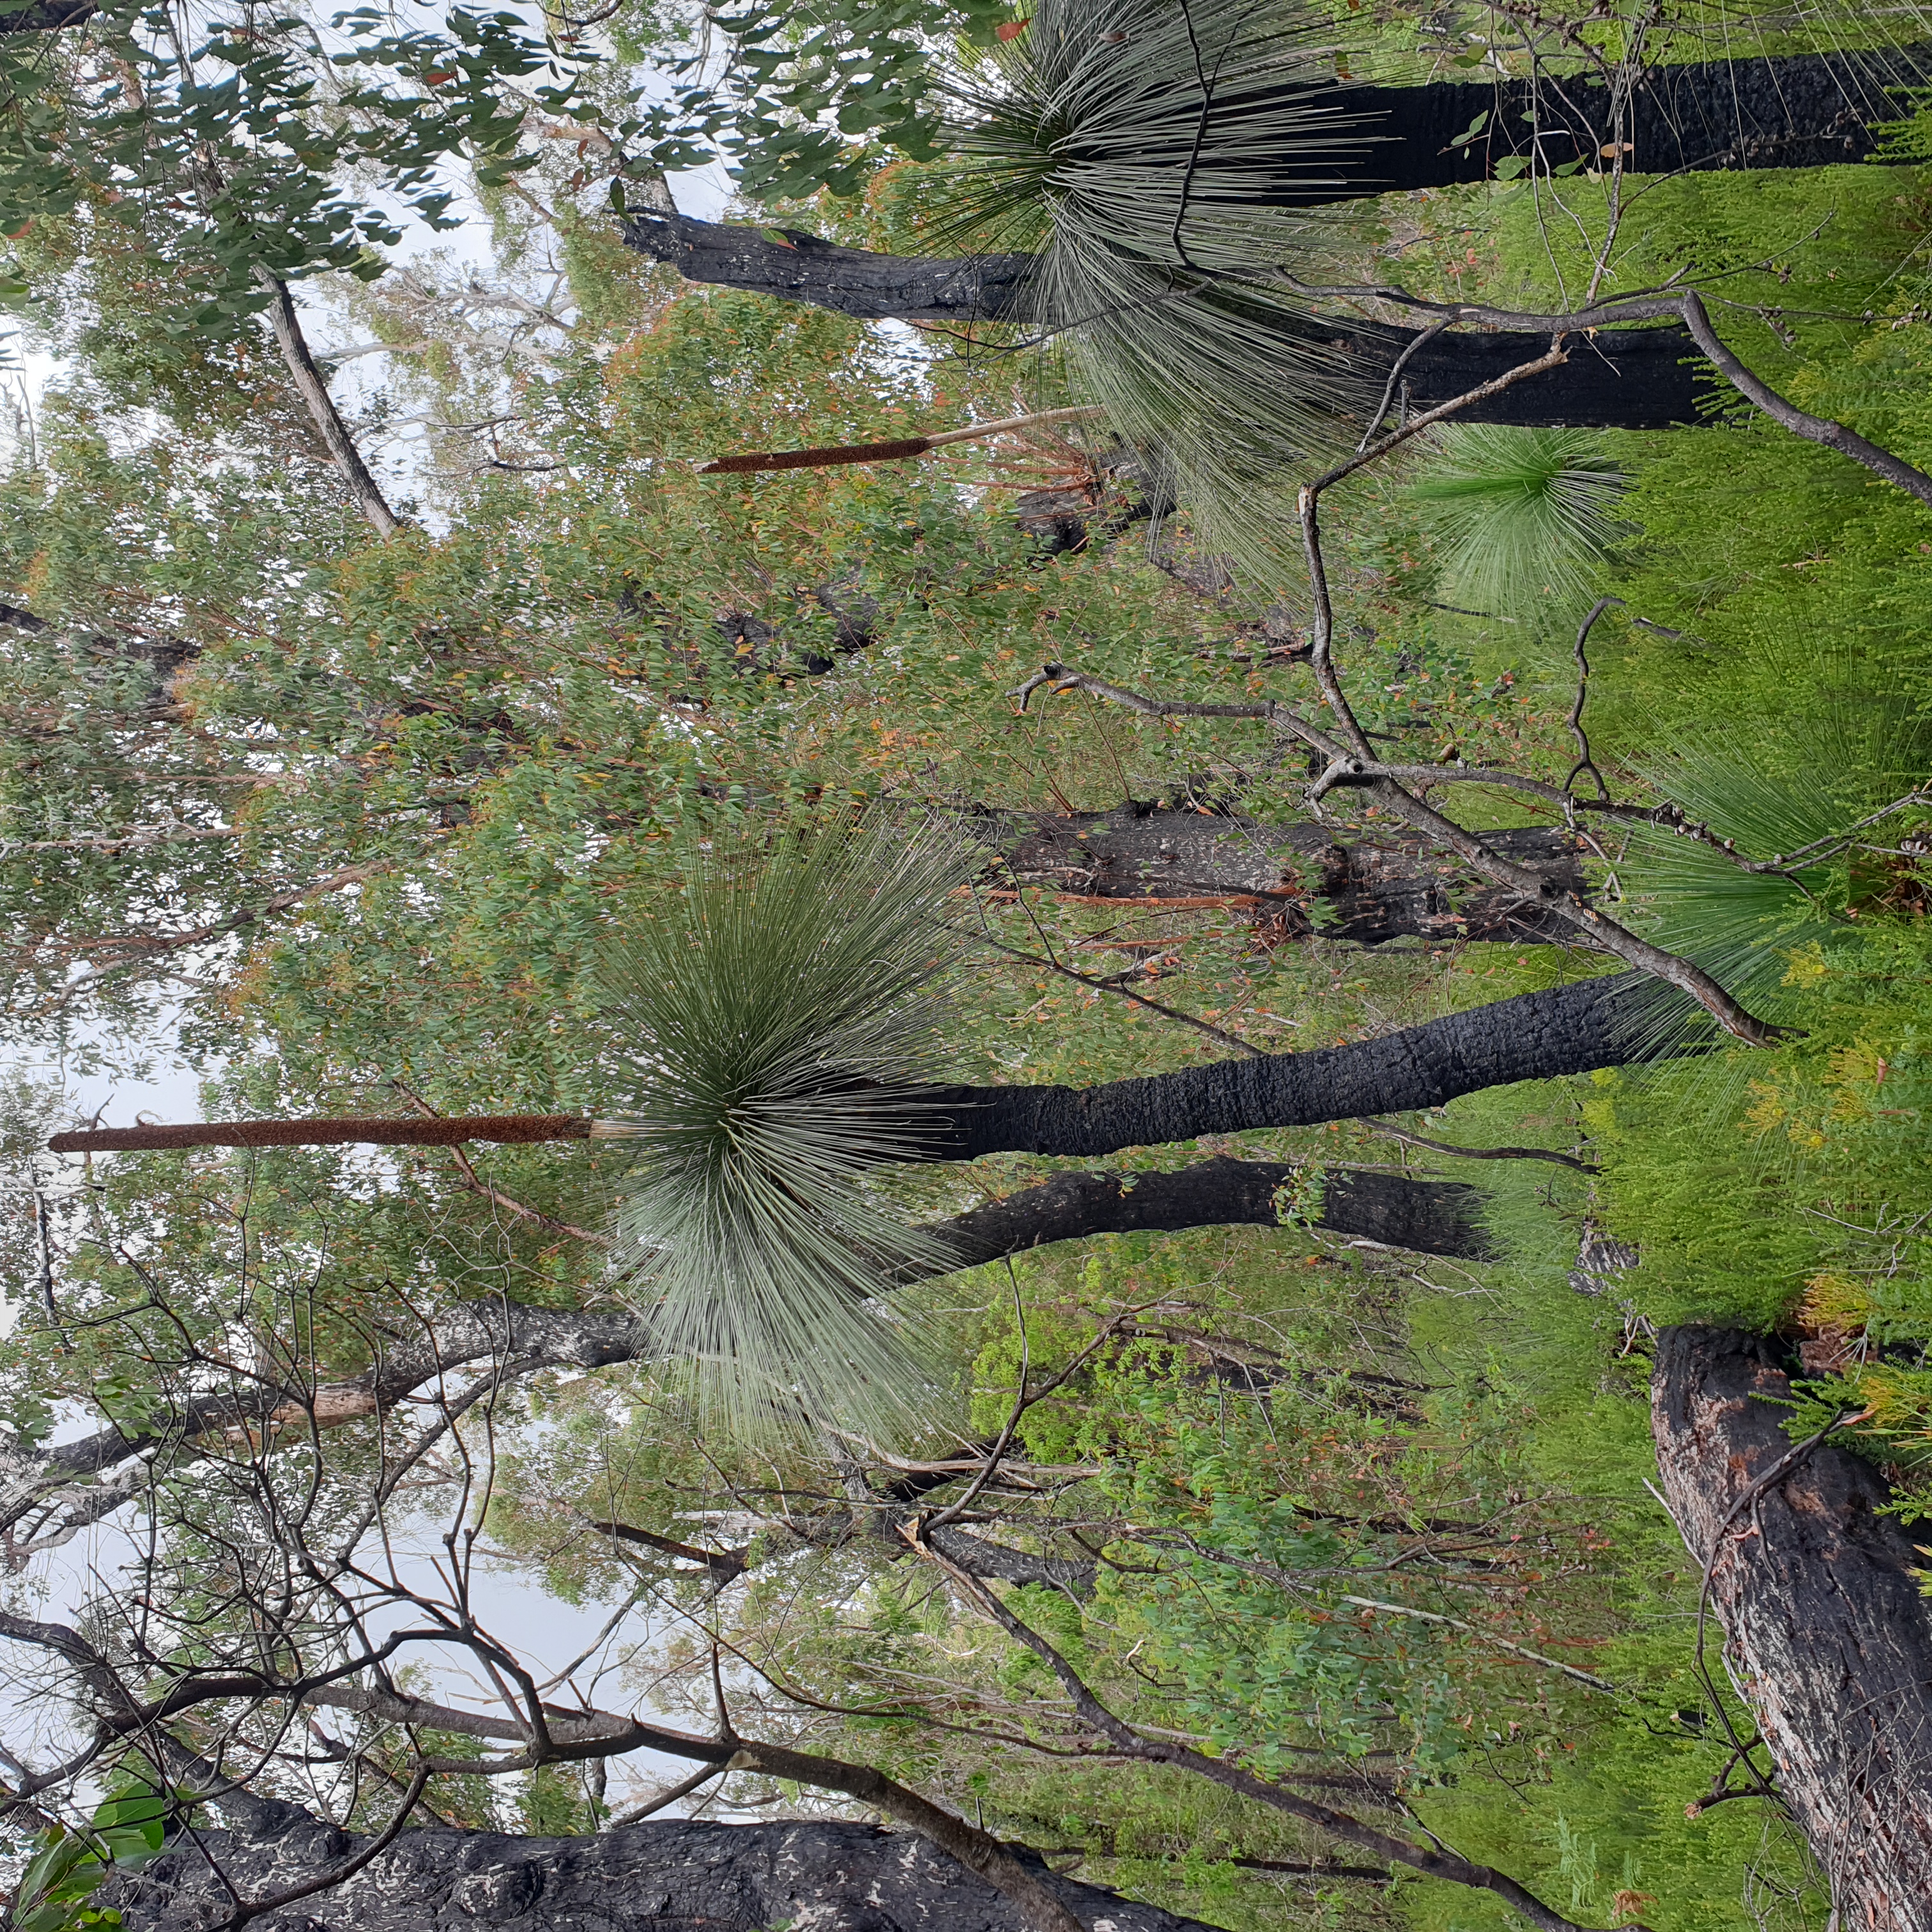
[[1199, 1172]]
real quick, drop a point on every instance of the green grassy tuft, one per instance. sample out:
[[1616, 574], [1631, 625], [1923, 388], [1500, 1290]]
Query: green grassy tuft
[[778, 1027]]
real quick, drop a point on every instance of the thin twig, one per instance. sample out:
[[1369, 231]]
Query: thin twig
[[1200, 1026], [1226, 1771], [1688, 308], [477, 1184], [1485, 1637], [636, 1814], [337, 1874], [1419, 341], [1585, 763], [1403, 1135]]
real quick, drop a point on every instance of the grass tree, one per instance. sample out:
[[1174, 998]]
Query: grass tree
[[778, 1035], [1171, 195]]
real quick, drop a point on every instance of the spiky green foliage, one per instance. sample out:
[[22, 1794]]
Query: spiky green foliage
[[1160, 266], [1772, 788], [1523, 516], [778, 1024]]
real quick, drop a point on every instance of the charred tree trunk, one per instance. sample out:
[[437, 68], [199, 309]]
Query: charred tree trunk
[[1629, 379], [1374, 890], [854, 281], [1788, 111], [1573, 1029], [680, 1877], [1796, 111], [1430, 1217], [47, 15], [1827, 1632]]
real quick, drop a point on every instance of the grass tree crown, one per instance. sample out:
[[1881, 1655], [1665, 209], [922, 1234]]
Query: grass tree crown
[[1523, 518], [779, 1025], [1150, 158]]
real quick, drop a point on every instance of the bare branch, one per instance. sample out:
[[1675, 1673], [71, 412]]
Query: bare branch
[[1131, 1742], [311, 386]]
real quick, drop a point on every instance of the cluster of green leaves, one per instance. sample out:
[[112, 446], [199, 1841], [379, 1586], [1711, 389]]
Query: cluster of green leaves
[[811, 97], [1774, 690], [126, 1830], [228, 148]]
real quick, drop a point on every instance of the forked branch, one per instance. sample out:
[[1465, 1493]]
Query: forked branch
[[1131, 1743]]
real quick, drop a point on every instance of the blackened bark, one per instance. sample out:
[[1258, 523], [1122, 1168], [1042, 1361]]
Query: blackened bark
[[1799, 110], [875, 288], [1827, 1630], [47, 15], [1635, 378], [760, 645], [683, 1876], [1788, 111], [1573, 1029], [163, 658], [1621, 378], [1427, 1217], [1431, 1217], [1374, 890]]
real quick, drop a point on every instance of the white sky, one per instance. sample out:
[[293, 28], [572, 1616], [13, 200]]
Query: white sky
[[545, 1633]]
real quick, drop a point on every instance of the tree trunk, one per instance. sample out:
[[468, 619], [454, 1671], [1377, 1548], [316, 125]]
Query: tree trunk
[[1389, 887], [1828, 1634], [1573, 1029], [683, 1876], [1794, 111], [1788, 111], [82, 1481], [1629, 378], [1430, 1217], [854, 281], [45, 16], [310, 383]]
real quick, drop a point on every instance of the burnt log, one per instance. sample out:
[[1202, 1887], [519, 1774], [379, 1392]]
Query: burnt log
[[1827, 1631], [1377, 889]]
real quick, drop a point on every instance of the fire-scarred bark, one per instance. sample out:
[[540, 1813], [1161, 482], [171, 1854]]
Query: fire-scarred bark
[[1826, 1628], [1573, 1029], [1303, 878], [1631, 379], [683, 1876]]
